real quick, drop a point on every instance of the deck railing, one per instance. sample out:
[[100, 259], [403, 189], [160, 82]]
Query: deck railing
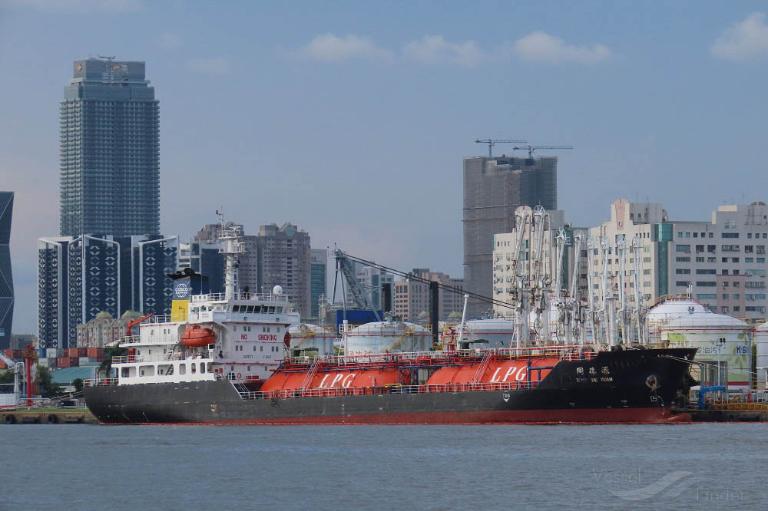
[[100, 382], [390, 389], [257, 297], [426, 357]]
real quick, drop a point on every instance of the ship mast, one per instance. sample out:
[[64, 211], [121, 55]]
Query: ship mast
[[231, 248]]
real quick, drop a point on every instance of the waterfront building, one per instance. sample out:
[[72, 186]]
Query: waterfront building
[[6, 276], [411, 298], [493, 188], [109, 151], [81, 276], [103, 329], [721, 262], [284, 260]]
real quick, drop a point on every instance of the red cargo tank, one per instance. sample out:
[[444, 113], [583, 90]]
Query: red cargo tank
[[333, 379], [496, 371]]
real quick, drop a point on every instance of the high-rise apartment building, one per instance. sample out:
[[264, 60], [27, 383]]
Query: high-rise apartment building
[[722, 262], [81, 276], [6, 276], [284, 260], [493, 189], [411, 298], [109, 151]]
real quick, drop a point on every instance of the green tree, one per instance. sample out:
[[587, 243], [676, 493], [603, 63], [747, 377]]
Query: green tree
[[78, 384], [105, 369], [6, 377], [45, 383]]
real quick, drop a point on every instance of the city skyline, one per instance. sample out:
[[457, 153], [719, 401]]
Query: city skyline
[[643, 113]]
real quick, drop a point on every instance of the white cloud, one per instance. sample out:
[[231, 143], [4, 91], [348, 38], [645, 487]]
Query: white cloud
[[748, 38], [540, 46], [332, 48], [210, 66], [434, 48], [75, 5]]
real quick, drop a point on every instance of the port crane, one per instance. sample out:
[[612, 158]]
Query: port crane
[[493, 141], [434, 288]]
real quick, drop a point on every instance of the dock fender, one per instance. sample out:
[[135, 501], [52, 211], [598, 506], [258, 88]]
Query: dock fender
[[10, 419], [53, 419]]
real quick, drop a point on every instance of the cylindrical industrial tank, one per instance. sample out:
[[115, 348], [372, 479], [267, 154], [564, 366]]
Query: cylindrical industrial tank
[[497, 333], [761, 343], [721, 341], [387, 337], [308, 339]]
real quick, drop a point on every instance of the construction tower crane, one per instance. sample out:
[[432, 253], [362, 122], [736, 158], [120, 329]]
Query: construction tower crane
[[493, 141], [533, 148]]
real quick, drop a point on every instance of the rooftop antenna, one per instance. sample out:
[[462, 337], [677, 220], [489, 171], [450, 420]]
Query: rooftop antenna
[[493, 141]]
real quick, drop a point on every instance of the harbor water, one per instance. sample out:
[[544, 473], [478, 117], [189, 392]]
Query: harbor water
[[86, 467]]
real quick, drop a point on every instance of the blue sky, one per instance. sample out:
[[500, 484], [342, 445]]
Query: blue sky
[[351, 119]]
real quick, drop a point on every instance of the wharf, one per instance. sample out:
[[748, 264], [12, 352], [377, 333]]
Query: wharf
[[732, 412], [47, 416]]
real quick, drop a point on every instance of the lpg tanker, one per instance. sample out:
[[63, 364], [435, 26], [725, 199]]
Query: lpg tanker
[[226, 360]]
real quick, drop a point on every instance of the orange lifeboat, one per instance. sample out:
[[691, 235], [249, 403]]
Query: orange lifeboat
[[198, 336]]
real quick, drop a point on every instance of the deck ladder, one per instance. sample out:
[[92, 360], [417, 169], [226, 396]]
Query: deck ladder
[[487, 357], [310, 375]]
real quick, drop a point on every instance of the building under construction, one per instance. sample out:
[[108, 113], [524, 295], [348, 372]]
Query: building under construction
[[494, 186]]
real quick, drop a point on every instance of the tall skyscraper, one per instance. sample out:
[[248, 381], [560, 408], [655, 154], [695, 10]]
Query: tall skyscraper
[[6, 278], [284, 260], [109, 150], [493, 188]]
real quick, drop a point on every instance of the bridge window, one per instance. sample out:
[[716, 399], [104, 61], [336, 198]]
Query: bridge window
[[182, 368], [194, 368]]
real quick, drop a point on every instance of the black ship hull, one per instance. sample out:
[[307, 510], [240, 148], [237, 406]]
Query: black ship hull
[[634, 386]]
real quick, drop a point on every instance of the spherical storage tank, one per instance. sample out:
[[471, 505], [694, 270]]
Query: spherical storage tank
[[307, 339], [669, 310], [761, 343], [387, 337]]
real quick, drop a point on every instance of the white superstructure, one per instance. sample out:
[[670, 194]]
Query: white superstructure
[[234, 335]]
